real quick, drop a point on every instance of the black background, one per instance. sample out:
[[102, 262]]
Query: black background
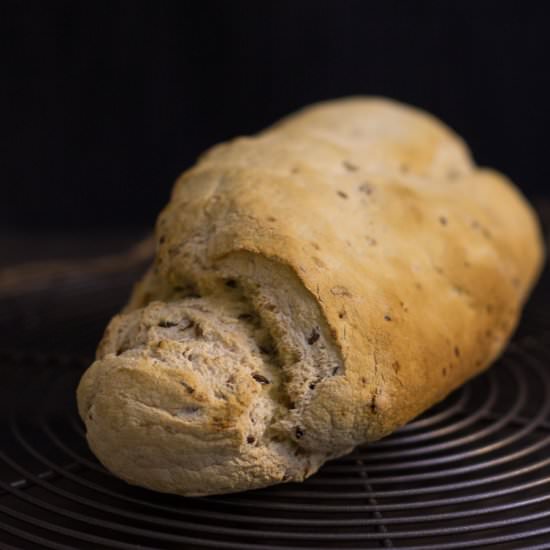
[[103, 104]]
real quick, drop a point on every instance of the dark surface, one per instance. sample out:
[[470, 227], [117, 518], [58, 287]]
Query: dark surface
[[104, 103], [58, 291]]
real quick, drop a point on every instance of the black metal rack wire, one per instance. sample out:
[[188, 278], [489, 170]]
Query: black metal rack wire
[[473, 472]]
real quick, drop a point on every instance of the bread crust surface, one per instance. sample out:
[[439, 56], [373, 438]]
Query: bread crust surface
[[315, 287]]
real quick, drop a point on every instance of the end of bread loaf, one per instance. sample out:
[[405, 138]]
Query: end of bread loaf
[[205, 393]]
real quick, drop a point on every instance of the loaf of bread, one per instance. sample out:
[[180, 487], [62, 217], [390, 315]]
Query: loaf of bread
[[315, 287]]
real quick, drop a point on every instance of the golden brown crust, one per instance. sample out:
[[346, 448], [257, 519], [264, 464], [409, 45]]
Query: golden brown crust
[[361, 225]]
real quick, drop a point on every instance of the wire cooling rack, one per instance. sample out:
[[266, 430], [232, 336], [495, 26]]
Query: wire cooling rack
[[473, 472]]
